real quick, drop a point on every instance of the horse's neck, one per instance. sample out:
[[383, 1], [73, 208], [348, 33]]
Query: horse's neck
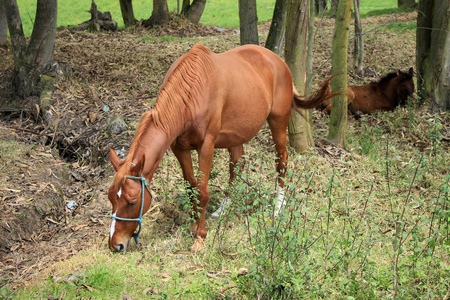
[[390, 91], [151, 148]]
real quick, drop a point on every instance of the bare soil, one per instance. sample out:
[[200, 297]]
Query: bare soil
[[112, 73]]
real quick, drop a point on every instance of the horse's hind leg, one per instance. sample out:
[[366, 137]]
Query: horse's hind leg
[[236, 163], [278, 126]]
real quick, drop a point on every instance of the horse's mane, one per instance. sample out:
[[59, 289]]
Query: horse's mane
[[180, 91], [390, 76], [387, 78]]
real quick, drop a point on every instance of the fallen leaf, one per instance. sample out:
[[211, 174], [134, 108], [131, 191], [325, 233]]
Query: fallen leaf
[[79, 226]]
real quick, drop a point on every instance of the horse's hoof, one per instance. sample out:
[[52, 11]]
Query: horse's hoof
[[198, 244]]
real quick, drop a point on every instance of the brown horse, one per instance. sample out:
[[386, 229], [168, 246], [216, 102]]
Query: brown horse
[[207, 101], [386, 94]]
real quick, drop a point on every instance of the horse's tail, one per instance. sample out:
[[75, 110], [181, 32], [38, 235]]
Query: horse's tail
[[315, 100]]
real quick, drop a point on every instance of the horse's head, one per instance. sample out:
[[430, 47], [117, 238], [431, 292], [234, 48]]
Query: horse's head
[[405, 85], [130, 197]]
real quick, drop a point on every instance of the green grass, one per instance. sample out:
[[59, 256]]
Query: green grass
[[71, 13], [217, 12], [377, 7]]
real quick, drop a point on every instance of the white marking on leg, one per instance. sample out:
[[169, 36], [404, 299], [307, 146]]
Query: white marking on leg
[[113, 226], [119, 193], [280, 201], [221, 210]]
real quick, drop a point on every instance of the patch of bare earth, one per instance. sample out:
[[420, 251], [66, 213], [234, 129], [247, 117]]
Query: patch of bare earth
[[113, 73]]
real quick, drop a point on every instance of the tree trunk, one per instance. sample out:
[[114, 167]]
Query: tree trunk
[[248, 20], [358, 53], [126, 6], [433, 52], [406, 3], [160, 14], [185, 4], [334, 5], [309, 57], [321, 6], [33, 60], [277, 30], [338, 116], [194, 11], [300, 136], [3, 24]]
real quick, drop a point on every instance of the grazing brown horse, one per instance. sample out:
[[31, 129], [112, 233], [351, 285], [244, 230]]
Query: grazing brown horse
[[207, 101], [386, 94]]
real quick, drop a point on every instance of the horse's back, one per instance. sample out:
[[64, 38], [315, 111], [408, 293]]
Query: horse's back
[[255, 76]]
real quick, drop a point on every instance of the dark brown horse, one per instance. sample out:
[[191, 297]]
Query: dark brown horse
[[386, 94], [207, 101]]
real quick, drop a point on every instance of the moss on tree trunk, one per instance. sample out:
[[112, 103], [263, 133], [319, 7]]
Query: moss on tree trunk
[[338, 116], [300, 136]]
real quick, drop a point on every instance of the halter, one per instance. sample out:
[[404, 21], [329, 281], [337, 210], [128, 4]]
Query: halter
[[139, 220]]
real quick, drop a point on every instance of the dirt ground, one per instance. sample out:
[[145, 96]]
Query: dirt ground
[[44, 167]]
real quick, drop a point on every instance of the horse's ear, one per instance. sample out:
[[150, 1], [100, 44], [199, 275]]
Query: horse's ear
[[399, 73], [114, 159], [139, 166], [411, 71]]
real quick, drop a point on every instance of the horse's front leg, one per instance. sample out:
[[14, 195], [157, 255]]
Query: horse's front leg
[[185, 160], [205, 157]]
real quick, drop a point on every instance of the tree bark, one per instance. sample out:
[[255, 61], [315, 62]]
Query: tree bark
[[3, 24], [33, 60], [277, 30], [248, 20], [160, 14], [358, 53], [338, 116], [126, 6], [193, 12], [300, 136], [433, 52]]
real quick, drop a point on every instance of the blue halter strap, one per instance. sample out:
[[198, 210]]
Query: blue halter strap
[[139, 220]]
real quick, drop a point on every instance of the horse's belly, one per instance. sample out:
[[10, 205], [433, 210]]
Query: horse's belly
[[231, 137]]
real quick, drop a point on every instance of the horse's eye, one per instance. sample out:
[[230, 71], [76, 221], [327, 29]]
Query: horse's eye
[[133, 203]]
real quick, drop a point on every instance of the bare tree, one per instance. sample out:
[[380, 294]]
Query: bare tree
[[300, 135], [193, 11], [277, 30], [35, 58], [3, 24], [338, 116], [358, 53], [248, 20], [126, 6], [309, 56], [433, 52], [160, 14], [321, 6]]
